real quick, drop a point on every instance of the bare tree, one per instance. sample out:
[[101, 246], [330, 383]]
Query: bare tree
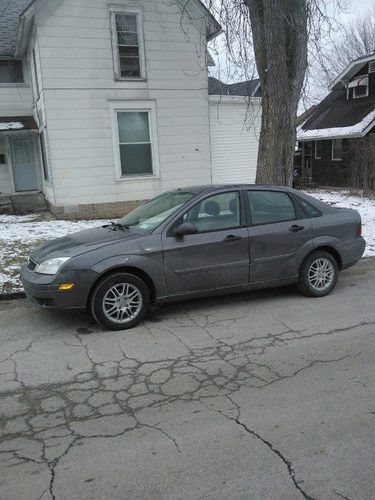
[[278, 32], [354, 40]]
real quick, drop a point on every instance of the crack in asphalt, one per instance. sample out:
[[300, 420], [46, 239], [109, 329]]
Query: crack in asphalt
[[341, 496], [104, 401], [52, 466], [272, 447], [288, 464]]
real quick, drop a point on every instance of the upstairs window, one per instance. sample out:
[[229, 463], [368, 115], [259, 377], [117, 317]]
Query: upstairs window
[[11, 72], [128, 45], [371, 66], [337, 149], [359, 86]]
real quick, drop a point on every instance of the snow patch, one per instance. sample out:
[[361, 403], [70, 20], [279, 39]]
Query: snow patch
[[11, 125], [365, 207], [326, 133]]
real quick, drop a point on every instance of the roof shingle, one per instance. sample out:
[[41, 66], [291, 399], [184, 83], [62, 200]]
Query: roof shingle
[[247, 88], [338, 111], [10, 11]]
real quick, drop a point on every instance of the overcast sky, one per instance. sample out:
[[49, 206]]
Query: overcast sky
[[355, 8]]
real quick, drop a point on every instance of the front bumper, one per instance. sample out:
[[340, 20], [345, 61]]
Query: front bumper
[[42, 289], [352, 252]]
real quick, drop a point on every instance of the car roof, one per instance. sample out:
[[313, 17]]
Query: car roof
[[218, 187]]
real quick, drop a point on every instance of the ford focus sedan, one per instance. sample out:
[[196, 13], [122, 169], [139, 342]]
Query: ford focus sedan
[[193, 242]]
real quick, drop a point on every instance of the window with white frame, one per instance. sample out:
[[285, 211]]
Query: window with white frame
[[337, 149], [128, 44], [359, 86], [318, 150], [135, 139]]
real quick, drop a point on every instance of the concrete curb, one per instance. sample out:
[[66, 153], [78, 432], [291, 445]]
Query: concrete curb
[[12, 296]]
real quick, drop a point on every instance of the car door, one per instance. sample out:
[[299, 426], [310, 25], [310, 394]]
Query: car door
[[279, 235], [217, 256]]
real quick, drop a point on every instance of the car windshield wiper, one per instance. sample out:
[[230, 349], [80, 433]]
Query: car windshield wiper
[[116, 224]]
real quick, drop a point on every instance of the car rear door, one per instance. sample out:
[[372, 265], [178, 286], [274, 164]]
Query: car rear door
[[279, 235], [217, 256]]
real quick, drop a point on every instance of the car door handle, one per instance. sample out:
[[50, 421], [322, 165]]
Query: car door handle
[[231, 238], [295, 228]]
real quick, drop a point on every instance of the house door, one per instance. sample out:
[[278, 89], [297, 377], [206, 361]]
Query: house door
[[24, 169]]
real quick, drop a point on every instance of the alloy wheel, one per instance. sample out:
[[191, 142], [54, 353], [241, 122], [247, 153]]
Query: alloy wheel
[[321, 274], [122, 303]]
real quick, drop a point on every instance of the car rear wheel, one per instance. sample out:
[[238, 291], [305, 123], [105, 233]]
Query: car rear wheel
[[120, 301], [318, 275]]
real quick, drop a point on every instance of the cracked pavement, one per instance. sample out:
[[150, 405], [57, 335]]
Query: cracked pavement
[[259, 395]]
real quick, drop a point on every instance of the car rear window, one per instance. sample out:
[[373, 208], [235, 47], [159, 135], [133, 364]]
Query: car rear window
[[270, 206]]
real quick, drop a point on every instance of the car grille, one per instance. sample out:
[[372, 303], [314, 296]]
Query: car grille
[[31, 265]]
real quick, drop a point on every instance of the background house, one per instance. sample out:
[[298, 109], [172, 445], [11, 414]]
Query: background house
[[336, 138], [103, 106]]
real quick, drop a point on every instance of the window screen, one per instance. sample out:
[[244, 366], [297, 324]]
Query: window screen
[[128, 45]]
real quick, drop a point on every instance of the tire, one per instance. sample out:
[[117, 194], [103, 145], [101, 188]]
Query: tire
[[120, 301], [319, 274]]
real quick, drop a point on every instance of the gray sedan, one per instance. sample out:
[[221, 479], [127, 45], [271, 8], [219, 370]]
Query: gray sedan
[[193, 242]]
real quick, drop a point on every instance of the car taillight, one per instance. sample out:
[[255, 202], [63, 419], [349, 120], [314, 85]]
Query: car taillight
[[359, 229]]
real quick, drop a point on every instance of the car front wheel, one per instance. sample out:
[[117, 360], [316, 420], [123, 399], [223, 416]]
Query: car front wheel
[[318, 275], [120, 301]]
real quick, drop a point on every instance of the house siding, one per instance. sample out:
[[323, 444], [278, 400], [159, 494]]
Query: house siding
[[235, 128], [328, 172], [78, 82], [15, 100], [336, 173]]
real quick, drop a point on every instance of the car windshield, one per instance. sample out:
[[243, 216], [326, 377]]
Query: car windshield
[[149, 216]]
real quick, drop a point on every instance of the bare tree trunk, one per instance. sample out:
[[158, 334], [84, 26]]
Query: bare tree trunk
[[279, 29]]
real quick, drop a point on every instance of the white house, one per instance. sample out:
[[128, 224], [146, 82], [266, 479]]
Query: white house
[[104, 104]]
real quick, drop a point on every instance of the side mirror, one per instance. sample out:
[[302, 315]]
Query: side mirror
[[185, 229]]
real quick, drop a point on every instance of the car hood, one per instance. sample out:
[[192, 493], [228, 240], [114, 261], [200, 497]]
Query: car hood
[[80, 242]]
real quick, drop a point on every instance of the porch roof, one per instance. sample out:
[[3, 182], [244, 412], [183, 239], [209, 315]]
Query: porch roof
[[17, 123]]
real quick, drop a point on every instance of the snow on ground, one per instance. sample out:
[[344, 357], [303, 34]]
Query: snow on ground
[[365, 206], [21, 234]]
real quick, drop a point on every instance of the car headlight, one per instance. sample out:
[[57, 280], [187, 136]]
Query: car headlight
[[51, 266]]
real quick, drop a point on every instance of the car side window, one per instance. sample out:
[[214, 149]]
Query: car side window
[[270, 206], [218, 212], [310, 210]]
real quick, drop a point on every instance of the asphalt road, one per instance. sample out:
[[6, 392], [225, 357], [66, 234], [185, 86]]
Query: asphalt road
[[265, 395]]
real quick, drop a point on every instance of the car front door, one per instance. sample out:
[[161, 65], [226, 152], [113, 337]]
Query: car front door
[[279, 234], [217, 256]]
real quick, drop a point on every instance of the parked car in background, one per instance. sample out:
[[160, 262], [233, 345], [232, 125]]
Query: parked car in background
[[193, 242]]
